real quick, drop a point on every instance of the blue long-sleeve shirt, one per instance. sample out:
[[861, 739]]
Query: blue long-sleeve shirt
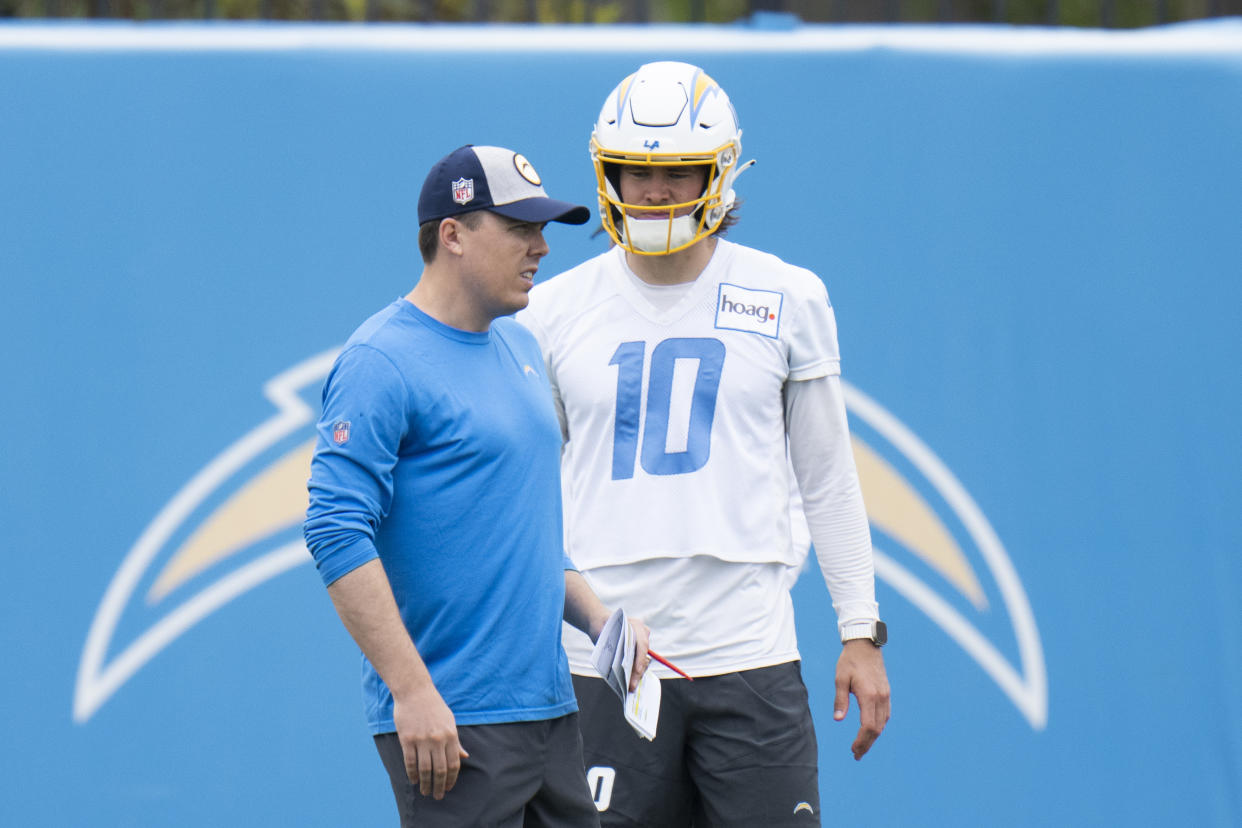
[[438, 452]]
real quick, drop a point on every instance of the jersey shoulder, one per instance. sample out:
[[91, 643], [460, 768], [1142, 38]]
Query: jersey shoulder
[[516, 337], [511, 331], [566, 295], [377, 329], [774, 272]]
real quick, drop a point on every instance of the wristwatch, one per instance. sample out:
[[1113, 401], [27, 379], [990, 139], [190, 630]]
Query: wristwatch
[[874, 631]]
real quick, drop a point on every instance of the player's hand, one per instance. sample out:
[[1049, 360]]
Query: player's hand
[[428, 735], [860, 670], [642, 639]]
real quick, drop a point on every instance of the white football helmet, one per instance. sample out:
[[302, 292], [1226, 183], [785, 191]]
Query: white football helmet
[[666, 114]]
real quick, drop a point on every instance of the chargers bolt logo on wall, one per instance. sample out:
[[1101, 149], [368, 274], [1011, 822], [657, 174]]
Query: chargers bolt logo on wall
[[233, 525], [463, 190]]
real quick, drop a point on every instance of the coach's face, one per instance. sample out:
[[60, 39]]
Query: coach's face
[[499, 260]]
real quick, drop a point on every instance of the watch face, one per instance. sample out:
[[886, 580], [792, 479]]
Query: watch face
[[880, 636]]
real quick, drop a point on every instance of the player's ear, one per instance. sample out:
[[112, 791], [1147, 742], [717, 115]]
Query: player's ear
[[450, 236]]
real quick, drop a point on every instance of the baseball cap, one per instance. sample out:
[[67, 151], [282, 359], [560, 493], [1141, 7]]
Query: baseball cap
[[491, 178]]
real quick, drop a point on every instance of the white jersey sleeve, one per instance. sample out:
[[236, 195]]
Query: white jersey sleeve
[[813, 349]]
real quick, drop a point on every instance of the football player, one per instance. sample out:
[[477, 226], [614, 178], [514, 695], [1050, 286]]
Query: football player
[[693, 376]]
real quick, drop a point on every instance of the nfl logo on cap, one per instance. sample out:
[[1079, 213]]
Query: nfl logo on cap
[[491, 178], [463, 190]]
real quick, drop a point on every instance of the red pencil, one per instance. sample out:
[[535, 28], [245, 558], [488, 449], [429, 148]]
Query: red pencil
[[670, 665]]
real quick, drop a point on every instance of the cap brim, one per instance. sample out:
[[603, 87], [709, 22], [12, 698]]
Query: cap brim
[[543, 209]]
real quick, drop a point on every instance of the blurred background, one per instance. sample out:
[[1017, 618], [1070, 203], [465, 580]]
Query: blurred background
[[1100, 13], [1032, 238]]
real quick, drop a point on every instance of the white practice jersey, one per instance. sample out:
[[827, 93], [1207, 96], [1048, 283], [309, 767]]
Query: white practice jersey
[[675, 473]]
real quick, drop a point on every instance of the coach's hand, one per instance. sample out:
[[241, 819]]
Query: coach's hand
[[428, 735], [860, 670], [642, 640]]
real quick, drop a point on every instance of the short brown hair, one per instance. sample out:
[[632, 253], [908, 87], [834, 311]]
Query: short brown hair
[[429, 233]]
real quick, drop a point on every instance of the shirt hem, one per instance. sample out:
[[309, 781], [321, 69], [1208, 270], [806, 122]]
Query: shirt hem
[[701, 672], [494, 717]]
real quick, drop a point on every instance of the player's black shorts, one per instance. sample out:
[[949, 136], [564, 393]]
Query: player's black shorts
[[735, 750], [518, 775]]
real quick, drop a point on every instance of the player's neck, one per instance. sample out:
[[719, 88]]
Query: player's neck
[[447, 306], [675, 268]]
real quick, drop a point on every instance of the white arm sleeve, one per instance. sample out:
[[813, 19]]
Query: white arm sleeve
[[823, 462]]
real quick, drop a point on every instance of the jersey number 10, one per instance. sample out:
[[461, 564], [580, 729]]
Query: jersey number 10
[[655, 456]]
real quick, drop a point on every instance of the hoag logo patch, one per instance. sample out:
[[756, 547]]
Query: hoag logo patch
[[754, 311]]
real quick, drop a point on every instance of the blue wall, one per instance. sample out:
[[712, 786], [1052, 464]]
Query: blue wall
[[1032, 239]]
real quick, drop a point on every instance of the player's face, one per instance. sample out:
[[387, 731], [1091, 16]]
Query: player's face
[[659, 185], [501, 257]]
